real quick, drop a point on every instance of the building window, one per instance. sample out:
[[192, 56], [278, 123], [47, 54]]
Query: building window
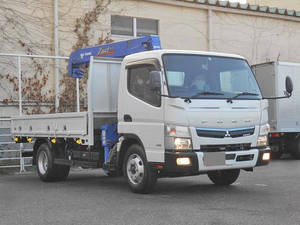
[[146, 27], [122, 25], [132, 26]]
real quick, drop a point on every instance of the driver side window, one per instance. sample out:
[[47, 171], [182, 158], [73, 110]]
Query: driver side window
[[139, 84]]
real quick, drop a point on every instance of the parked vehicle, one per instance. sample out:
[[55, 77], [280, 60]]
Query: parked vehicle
[[155, 113], [284, 115]]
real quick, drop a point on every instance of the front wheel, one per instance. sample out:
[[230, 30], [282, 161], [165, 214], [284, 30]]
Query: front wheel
[[224, 177], [140, 177]]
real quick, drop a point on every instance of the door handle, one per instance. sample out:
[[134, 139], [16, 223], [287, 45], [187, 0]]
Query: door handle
[[127, 118]]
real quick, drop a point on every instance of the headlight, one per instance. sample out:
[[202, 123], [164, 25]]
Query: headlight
[[178, 137], [263, 135], [262, 140], [182, 143]]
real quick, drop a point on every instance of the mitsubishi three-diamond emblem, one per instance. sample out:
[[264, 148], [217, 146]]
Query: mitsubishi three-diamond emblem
[[227, 134]]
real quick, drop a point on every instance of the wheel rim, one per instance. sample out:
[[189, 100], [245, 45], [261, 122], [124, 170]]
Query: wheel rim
[[43, 162], [135, 169]]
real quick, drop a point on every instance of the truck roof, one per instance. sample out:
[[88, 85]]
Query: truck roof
[[159, 53]]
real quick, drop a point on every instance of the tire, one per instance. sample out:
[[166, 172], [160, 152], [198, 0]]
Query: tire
[[139, 176], [295, 148], [62, 172], [224, 177], [46, 169]]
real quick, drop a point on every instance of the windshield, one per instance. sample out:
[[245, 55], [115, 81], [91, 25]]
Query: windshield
[[199, 76]]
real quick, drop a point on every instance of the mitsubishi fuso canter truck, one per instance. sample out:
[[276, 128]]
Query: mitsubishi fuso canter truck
[[154, 113]]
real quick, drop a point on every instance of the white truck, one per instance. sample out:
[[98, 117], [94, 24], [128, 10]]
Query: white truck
[[156, 113], [284, 115]]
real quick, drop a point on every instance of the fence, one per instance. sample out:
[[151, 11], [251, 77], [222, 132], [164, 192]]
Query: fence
[[10, 152]]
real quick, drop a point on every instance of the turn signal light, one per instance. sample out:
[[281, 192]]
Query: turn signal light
[[29, 139], [16, 139], [53, 140]]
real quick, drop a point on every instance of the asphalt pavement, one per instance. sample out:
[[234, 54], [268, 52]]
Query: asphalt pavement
[[269, 195]]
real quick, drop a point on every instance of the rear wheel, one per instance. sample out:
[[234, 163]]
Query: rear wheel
[[140, 177], [224, 177], [46, 169], [62, 172]]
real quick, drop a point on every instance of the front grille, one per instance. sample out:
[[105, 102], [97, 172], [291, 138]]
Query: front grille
[[211, 133], [220, 148], [242, 132], [222, 133]]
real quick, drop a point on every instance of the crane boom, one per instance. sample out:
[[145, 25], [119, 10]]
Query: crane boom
[[118, 49]]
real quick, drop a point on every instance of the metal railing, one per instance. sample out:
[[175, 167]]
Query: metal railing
[[20, 159], [15, 161], [19, 69]]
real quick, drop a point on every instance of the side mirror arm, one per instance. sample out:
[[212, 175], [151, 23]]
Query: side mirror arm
[[287, 95]]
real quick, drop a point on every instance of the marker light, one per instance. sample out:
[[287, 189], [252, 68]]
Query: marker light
[[159, 166], [53, 140], [185, 161], [29, 139], [16, 139], [78, 141], [266, 156], [274, 135]]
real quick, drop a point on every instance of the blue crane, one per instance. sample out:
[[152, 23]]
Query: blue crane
[[120, 49]]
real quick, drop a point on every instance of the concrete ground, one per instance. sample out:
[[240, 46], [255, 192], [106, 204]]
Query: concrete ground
[[270, 195]]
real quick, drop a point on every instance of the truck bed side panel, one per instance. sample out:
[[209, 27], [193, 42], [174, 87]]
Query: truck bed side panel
[[51, 125]]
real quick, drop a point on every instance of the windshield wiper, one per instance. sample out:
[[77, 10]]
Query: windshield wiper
[[206, 93], [186, 99], [229, 100]]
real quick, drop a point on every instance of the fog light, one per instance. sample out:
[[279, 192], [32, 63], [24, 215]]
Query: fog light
[[266, 156], [183, 161]]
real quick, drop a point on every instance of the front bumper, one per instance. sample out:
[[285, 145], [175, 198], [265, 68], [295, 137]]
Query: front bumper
[[234, 160]]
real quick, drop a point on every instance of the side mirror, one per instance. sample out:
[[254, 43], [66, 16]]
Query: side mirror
[[155, 80], [289, 85]]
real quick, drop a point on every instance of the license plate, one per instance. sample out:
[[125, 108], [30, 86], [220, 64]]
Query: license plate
[[214, 158]]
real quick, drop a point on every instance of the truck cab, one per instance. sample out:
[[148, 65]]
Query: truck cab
[[193, 112]]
